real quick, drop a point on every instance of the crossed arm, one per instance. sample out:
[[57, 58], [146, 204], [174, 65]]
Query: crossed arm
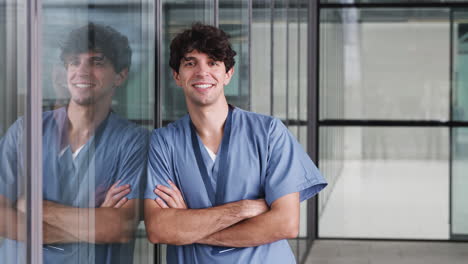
[[245, 223], [113, 222]]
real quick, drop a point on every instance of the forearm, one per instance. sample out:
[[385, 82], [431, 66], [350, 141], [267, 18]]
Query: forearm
[[12, 224], [93, 225], [186, 226], [280, 222], [55, 235], [260, 230]]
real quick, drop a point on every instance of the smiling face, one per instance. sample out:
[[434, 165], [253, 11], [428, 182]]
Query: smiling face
[[202, 79], [91, 78]]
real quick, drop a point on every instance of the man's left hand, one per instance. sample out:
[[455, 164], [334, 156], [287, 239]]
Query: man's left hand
[[170, 197]]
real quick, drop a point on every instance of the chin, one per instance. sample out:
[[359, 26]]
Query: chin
[[204, 102], [83, 101]]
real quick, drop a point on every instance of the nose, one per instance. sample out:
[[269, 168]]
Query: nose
[[202, 69], [83, 68]]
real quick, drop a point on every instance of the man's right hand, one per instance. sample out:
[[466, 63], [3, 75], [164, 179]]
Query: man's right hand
[[115, 196]]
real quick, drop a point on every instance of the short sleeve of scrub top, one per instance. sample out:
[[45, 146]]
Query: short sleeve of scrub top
[[159, 160], [289, 167], [10, 169], [134, 158]]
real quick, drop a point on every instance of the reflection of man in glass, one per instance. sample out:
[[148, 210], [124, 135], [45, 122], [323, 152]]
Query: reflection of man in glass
[[93, 161], [224, 184]]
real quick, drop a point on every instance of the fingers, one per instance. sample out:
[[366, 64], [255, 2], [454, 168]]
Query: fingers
[[161, 203], [178, 195], [115, 194], [166, 194], [115, 184], [171, 196], [121, 202], [173, 186], [256, 207], [263, 206], [116, 190]]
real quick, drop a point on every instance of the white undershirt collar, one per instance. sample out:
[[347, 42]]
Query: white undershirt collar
[[211, 153]]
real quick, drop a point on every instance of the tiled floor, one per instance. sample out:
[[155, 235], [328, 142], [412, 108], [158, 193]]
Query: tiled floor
[[381, 252]]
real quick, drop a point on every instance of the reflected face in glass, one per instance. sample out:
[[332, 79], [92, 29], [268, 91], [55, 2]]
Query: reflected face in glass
[[91, 78], [202, 78]]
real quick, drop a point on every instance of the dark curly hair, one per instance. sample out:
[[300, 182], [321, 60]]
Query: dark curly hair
[[206, 39], [99, 38]]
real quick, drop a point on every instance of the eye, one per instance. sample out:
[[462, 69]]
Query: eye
[[189, 63], [73, 62], [213, 63], [98, 61]]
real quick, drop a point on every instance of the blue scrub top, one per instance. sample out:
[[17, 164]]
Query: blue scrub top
[[117, 151], [264, 161]]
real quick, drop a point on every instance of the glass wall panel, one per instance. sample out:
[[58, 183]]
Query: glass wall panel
[[13, 132], [280, 52], [292, 60], [459, 182], [261, 46], [303, 6], [386, 182], [177, 16], [460, 66], [98, 101], [364, 58], [331, 75], [234, 19], [459, 228]]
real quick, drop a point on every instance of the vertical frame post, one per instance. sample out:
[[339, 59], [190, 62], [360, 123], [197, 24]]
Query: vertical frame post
[[157, 61], [313, 108], [33, 129]]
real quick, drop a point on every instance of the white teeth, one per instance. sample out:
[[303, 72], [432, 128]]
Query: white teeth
[[79, 85], [203, 86]]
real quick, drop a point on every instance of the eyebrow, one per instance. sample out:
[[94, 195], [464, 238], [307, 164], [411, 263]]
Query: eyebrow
[[193, 58], [92, 58], [98, 58]]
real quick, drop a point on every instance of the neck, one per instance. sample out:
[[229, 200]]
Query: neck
[[86, 118], [209, 120]]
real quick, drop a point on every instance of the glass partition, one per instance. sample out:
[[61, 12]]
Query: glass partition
[[14, 122], [459, 211], [460, 66], [97, 74], [459, 227], [261, 50], [177, 16], [384, 137], [234, 19], [388, 182], [370, 45]]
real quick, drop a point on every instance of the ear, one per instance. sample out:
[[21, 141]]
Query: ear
[[121, 77], [175, 75], [229, 76]]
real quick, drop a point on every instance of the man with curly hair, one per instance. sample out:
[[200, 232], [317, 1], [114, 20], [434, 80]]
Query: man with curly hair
[[224, 185], [93, 161]]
